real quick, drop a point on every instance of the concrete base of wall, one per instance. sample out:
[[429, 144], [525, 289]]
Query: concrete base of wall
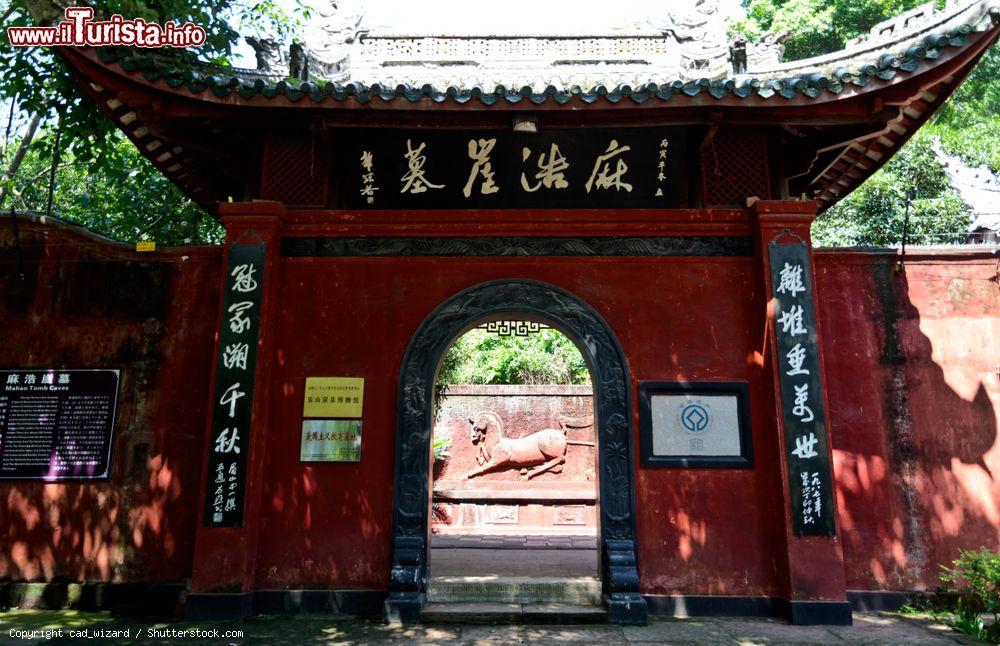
[[235, 605], [801, 613], [140, 599], [168, 599], [878, 600]]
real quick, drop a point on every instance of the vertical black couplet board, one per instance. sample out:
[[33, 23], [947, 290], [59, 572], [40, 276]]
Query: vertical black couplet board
[[809, 474], [232, 404], [57, 424]]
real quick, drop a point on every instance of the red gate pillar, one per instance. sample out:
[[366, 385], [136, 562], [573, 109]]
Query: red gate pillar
[[222, 577], [815, 584]]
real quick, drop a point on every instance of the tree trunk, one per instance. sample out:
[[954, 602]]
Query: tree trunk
[[22, 150]]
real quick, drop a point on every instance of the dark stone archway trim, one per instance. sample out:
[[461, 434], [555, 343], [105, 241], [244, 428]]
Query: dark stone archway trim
[[613, 410]]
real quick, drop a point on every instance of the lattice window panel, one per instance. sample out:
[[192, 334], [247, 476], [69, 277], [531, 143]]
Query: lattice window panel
[[734, 167], [295, 171]]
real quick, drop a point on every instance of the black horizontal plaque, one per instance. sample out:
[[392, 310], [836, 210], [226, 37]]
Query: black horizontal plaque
[[578, 168], [57, 424]]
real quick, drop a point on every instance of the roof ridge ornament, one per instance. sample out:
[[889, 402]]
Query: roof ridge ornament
[[272, 59], [977, 186], [700, 30], [892, 27], [331, 36]]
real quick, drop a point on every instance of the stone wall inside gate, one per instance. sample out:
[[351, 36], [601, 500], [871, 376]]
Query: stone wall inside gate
[[911, 375], [505, 500]]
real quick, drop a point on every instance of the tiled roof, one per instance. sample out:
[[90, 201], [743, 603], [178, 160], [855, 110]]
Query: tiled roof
[[880, 57], [835, 136]]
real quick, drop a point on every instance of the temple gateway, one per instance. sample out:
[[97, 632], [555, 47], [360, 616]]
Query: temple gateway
[[770, 429]]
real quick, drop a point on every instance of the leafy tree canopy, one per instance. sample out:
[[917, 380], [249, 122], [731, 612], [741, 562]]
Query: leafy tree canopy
[[817, 26], [101, 180], [545, 357], [123, 197], [38, 81]]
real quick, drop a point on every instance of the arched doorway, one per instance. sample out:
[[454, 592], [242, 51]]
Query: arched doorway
[[613, 412]]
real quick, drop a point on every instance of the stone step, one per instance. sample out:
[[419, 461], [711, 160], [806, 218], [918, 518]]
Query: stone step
[[517, 590], [512, 613]]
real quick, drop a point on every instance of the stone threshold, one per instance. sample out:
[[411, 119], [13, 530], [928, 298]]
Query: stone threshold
[[514, 541]]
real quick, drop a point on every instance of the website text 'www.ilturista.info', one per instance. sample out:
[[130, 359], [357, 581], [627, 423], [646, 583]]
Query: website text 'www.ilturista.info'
[[80, 29]]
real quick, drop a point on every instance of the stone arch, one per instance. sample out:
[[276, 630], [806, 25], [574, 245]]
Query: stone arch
[[613, 418]]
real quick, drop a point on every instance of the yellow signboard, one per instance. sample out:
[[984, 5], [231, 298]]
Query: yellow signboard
[[333, 397]]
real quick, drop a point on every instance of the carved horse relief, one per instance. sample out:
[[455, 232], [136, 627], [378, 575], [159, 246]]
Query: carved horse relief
[[545, 448]]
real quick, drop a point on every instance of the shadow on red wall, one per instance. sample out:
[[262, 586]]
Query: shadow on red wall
[[71, 299], [910, 371], [911, 374]]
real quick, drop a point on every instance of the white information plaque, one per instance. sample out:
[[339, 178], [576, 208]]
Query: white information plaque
[[694, 424]]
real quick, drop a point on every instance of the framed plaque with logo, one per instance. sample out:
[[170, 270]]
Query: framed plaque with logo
[[695, 424]]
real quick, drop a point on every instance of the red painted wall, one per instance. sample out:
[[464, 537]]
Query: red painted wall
[[708, 531], [912, 364], [910, 373], [85, 302]]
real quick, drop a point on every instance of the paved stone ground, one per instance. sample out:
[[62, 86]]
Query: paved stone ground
[[869, 628]]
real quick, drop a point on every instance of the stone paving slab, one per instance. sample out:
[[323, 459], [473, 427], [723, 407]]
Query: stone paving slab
[[869, 628], [522, 563], [679, 631]]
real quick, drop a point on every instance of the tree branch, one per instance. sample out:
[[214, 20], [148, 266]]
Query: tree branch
[[22, 150]]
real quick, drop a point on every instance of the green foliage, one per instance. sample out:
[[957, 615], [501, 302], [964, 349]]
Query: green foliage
[[816, 26], [547, 357], [440, 446], [874, 214], [39, 81], [103, 181], [124, 197], [968, 124], [975, 577]]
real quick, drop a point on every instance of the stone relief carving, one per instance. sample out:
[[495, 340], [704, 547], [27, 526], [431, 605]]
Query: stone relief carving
[[545, 448], [507, 246]]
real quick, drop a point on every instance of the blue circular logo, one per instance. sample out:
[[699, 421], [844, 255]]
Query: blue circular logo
[[694, 417]]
